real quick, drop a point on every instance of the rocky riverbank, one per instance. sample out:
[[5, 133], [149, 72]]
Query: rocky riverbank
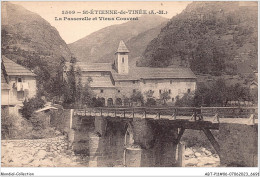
[[200, 157], [53, 152], [50, 152], [21, 157]]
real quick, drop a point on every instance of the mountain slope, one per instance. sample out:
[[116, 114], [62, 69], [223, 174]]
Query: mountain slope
[[29, 39], [210, 37], [136, 45], [100, 45]]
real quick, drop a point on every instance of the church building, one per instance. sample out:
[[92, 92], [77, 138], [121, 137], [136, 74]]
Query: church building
[[114, 83]]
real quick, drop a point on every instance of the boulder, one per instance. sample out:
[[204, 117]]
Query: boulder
[[40, 154], [26, 160], [207, 152], [191, 162], [197, 154], [203, 149], [66, 160], [209, 160], [57, 133], [36, 163], [46, 163], [201, 164], [188, 152]]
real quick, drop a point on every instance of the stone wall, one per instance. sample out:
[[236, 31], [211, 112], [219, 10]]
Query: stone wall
[[57, 144], [238, 145], [103, 140], [49, 152]]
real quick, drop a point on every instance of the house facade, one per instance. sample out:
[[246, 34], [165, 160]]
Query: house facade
[[115, 82], [17, 84]]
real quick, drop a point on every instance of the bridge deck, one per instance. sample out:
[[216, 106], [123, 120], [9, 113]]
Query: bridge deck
[[180, 118], [154, 116]]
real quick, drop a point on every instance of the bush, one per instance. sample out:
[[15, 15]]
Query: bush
[[150, 102], [30, 106], [97, 102], [7, 124], [40, 121], [186, 101], [43, 133], [137, 97], [14, 126]]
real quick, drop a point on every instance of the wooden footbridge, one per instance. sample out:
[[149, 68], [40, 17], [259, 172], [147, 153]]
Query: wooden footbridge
[[181, 118]]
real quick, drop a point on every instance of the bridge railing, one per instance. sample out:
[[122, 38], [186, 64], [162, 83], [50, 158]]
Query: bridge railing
[[174, 112]]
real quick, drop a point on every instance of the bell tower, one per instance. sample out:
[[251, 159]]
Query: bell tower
[[121, 60]]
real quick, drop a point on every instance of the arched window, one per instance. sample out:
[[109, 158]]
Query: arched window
[[103, 102], [123, 60], [119, 102], [109, 102]]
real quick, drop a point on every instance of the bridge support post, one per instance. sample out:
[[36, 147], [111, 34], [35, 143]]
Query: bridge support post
[[180, 155], [180, 135], [132, 157], [154, 145], [100, 125], [212, 140]]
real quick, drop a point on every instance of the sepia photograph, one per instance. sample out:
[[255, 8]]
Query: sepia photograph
[[129, 84]]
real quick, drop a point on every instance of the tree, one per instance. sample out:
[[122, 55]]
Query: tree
[[31, 105], [87, 95], [79, 86], [70, 96], [74, 91], [150, 100], [57, 84], [219, 93], [126, 101], [39, 120], [137, 97], [165, 96], [149, 94], [186, 101]]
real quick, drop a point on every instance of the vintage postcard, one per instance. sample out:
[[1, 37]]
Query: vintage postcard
[[129, 84]]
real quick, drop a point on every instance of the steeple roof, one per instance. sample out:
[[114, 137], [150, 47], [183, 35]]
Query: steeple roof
[[122, 48]]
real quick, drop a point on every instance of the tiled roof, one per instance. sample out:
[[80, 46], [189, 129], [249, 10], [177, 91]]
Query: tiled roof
[[101, 82], [122, 48], [90, 67], [14, 69], [138, 73]]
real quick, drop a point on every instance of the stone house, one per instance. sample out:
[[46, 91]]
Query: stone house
[[114, 82], [17, 84]]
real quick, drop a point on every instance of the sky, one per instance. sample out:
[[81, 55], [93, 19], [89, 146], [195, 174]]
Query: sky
[[71, 31]]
